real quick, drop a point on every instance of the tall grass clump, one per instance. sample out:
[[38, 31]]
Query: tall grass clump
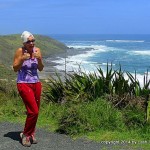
[[9, 88], [87, 117]]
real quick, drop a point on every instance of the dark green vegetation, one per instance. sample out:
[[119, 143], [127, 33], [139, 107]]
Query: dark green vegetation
[[97, 101], [10, 43], [6, 73]]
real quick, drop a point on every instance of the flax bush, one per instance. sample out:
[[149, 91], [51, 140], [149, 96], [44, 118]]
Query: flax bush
[[80, 86]]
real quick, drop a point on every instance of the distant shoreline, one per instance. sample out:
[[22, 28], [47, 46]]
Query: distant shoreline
[[50, 69]]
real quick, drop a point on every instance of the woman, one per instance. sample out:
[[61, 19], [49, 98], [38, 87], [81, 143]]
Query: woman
[[27, 61]]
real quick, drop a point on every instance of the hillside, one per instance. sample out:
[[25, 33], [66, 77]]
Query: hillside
[[9, 44]]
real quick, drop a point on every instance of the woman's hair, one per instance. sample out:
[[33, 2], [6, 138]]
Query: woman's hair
[[25, 35]]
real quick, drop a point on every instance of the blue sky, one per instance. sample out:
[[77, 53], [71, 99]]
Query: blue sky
[[75, 16]]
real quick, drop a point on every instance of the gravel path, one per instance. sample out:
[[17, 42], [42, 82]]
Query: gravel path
[[9, 140]]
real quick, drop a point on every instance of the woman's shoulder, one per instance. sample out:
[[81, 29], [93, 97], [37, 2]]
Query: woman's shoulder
[[19, 50]]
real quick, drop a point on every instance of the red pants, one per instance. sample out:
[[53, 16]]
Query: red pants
[[30, 93]]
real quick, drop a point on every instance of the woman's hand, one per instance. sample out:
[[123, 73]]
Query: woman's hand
[[37, 55], [26, 56]]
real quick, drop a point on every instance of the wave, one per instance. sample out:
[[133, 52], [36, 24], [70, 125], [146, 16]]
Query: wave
[[144, 52], [127, 41], [109, 64], [93, 48], [82, 59], [74, 63], [96, 47]]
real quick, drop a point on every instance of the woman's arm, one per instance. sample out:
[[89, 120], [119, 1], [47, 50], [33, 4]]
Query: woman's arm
[[18, 60], [37, 54]]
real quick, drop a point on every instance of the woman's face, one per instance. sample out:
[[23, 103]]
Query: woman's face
[[30, 43]]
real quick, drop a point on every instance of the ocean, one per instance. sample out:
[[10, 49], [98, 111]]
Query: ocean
[[132, 52]]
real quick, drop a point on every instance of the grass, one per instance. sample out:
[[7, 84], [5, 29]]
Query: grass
[[127, 140], [90, 116]]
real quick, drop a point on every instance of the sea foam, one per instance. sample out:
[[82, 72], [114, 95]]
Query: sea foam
[[144, 52]]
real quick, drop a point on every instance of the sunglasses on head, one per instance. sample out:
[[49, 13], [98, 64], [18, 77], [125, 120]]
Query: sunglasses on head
[[29, 41]]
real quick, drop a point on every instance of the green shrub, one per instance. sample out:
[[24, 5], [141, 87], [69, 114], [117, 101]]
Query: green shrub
[[145, 132], [134, 117], [92, 116], [9, 88]]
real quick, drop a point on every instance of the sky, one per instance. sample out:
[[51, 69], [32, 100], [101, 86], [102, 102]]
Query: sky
[[75, 16]]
